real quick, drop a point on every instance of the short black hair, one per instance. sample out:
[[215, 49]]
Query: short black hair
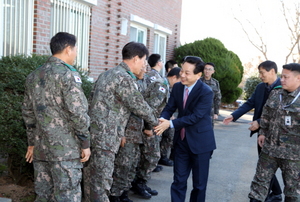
[[174, 72], [295, 67], [153, 59], [170, 64], [132, 49], [210, 63], [195, 60], [60, 41], [268, 65]]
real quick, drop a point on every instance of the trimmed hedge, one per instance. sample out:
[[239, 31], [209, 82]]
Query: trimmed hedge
[[13, 140]]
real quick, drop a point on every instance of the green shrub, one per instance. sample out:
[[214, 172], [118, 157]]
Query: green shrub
[[13, 139], [229, 69], [250, 86]]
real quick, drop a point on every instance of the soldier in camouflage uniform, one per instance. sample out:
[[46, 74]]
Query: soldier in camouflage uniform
[[156, 95], [279, 137], [214, 84], [128, 156], [55, 113], [114, 97]]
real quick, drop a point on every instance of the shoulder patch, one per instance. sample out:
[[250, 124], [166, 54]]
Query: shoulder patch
[[152, 78], [77, 79], [162, 89]]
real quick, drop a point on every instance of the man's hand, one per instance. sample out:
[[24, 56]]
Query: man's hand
[[228, 119], [254, 125], [164, 124], [123, 141], [85, 154], [149, 133], [29, 154], [261, 140], [216, 116]]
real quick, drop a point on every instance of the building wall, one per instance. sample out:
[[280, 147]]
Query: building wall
[[106, 40]]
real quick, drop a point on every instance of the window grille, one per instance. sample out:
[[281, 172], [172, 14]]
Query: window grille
[[73, 17], [16, 27]]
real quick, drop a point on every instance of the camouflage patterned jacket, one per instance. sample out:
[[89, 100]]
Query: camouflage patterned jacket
[[55, 112], [114, 97], [215, 86], [156, 95], [280, 123]]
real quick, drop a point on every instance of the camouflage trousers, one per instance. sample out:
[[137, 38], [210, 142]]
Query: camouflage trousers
[[150, 155], [266, 168], [57, 181], [98, 176], [126, 162], [166, 142]]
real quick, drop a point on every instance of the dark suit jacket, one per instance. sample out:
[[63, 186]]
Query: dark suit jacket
[[195, 117], [256, 101]]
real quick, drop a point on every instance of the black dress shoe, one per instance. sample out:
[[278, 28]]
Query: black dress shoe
[[274, 198], [124, 197], [165, 161]]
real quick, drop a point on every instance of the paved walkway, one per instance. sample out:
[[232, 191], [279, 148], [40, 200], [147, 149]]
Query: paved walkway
[[232, 166]]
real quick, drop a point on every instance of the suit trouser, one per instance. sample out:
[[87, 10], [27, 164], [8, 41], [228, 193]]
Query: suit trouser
[[185, 162], [274, 184]]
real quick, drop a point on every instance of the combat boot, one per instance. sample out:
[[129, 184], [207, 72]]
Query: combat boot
[[150, 191], [165, 161], [139, 189], [124, 197], [114, 199], [254, 200]]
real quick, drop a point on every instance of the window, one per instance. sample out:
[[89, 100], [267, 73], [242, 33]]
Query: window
[[73, 17], [160, 41], [16, 27], [138, 34]]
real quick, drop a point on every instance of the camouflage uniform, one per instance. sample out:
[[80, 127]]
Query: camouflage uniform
[[55, 113], [114, 97], [215, 86], [282, 145], [128, 156], [156, 95]]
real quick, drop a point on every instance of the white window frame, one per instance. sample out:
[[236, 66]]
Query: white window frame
[[139, 28], [73, 17], [16, 27], [157, 42]]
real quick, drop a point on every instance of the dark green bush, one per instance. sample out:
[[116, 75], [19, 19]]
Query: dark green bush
[[13, 140], [250, 86], [229, 69]]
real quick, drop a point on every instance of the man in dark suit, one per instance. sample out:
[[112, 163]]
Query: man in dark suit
[[268, 75], [194, 139]]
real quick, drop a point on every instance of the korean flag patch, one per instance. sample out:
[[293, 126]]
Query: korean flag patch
[[152, 78], [77, 79], [162, 89]]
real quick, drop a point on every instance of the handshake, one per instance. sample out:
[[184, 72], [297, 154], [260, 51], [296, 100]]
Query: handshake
[[163, 125]]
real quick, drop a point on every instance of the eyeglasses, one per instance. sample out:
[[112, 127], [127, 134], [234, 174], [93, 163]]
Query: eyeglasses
[[208, 69], [194, 59]]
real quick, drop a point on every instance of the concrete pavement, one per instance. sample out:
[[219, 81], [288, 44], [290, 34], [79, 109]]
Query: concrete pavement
[[231, 170]]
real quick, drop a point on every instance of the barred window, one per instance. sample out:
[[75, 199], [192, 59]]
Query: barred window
[[16, 27], [73, 17]]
